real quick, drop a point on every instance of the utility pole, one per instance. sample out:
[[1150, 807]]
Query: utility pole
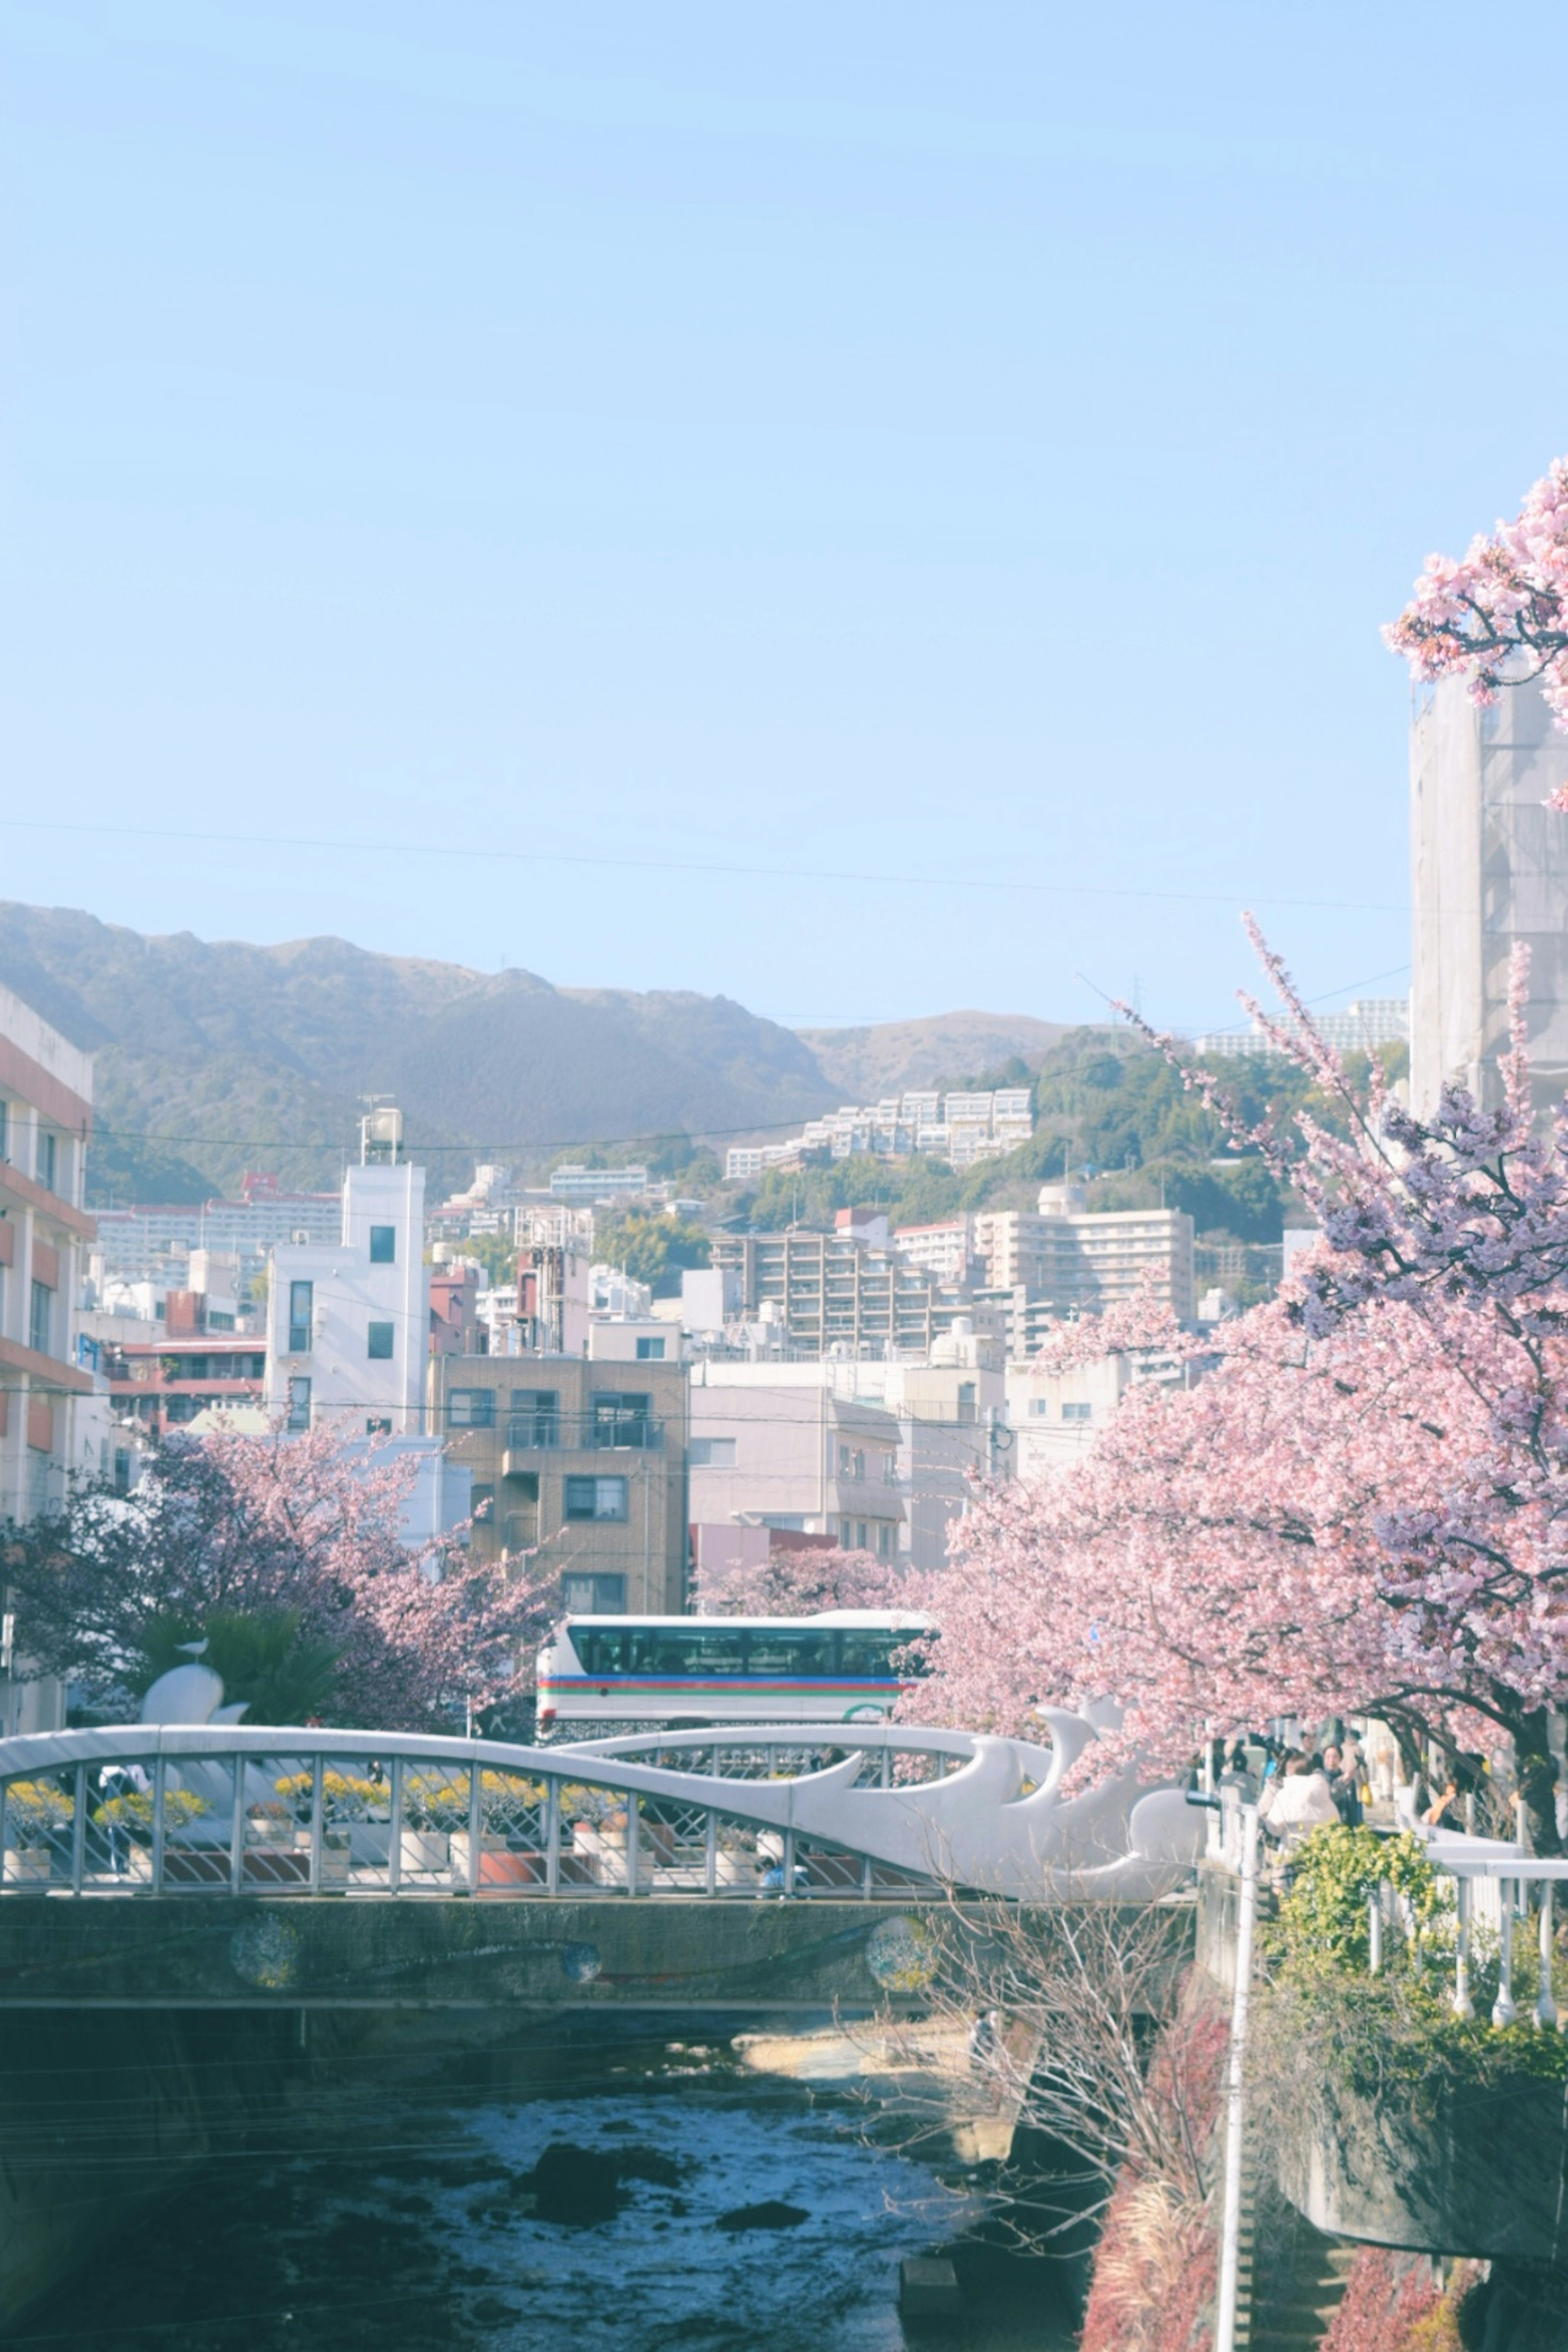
[[1236, 2089]]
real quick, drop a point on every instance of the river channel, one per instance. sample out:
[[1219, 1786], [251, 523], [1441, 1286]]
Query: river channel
[[736, 2208]]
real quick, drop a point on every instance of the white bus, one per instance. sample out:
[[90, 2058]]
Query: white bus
[[667, 1672]]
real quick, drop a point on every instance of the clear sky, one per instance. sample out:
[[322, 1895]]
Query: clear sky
[[867, 509]]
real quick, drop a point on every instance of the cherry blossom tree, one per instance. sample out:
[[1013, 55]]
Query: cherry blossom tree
[[798, 1582], [310, 1524], [1362, 1507], [1498, 614]]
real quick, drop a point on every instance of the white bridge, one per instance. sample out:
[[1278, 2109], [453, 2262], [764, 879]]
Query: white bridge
[[863, 1810]]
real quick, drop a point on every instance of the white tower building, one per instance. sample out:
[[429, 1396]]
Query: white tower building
[[1488, 868], [348, 1323]]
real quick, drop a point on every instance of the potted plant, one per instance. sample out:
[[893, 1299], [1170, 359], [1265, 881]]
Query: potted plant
[[36, 1812], [510, 1853], [433, 1803], [348, 1802], [129, 1818]]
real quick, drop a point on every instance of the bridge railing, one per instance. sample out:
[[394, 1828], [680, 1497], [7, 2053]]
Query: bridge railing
[[189, 1811]]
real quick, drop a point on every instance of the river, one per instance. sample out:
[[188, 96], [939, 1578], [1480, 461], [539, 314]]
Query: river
[[410, 2222]]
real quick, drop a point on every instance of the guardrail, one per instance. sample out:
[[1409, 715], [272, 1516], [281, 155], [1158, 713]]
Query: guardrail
[[1497, 1890], [187, 1812], [797, 1810]]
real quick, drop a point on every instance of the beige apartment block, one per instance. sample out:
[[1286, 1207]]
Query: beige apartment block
[[1085, 1260], [579, 1468]]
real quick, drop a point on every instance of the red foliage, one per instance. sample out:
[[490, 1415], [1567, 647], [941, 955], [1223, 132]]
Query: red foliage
[[1156, 2268], [1385, 2298]]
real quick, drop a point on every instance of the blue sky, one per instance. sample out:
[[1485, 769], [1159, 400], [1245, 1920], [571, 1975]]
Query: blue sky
[[865, 509]]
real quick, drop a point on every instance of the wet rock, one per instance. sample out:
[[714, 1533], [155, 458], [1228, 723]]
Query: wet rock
[[576, 2184], [772, 2213]]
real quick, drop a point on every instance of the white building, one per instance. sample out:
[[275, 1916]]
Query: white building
[[347, 1324], [579, 1184], [1488, 870], [946, 1250], [960, 1129], [1360, 1027], [1055, 1416]]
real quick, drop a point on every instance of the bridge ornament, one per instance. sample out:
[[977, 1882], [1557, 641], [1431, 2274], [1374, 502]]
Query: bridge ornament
[[872, 1810]]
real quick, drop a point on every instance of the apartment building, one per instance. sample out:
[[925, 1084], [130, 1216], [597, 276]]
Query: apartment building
[[153, 1242], [945, 1416], [960, 1129], [790, 1455], [1359, 1028], [347, 1324], [578, 1467], [1086, 1260], [1053, 1417], [156, 1385], [836, 1290], [945, 1250], [46, 1117]]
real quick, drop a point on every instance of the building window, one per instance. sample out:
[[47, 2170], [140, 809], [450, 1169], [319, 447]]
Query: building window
[[843, 1462], [378, 1346], [41, 1319], [593, 1596], [535, 1417], [48, 1145], [301, 1315], [845, 1536], [862, 1535], [471, 1408], [713, 1452], [378, 1426], [622, 1419], [885, 1541], [860, 1467], [5, 1132], [299, 1405], [650, 1352], [595, 1498], [384, 1244], [966, 1403], [1077, 1413]]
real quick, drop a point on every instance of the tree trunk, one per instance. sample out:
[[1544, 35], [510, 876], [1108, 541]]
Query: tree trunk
[[1537, 1769]]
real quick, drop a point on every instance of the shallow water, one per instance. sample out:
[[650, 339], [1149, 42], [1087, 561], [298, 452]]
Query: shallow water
[[412, 2228]]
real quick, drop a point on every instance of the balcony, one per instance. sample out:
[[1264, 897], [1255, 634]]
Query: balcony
[[581, 1432]]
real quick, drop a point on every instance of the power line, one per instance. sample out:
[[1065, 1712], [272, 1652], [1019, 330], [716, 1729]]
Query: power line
[[428, 849]]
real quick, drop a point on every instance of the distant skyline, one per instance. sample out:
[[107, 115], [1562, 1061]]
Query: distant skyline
[[890, 453]]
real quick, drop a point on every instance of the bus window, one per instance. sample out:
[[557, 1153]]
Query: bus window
[[718, 1650], [856, 1653], [780, 1652], [599, 1649]]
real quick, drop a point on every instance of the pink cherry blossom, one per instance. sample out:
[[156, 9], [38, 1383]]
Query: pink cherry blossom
[[1362, 1508], [1500, 615]]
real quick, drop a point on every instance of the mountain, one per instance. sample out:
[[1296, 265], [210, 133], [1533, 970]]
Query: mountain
[[213, 1057], [863, 1064]]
